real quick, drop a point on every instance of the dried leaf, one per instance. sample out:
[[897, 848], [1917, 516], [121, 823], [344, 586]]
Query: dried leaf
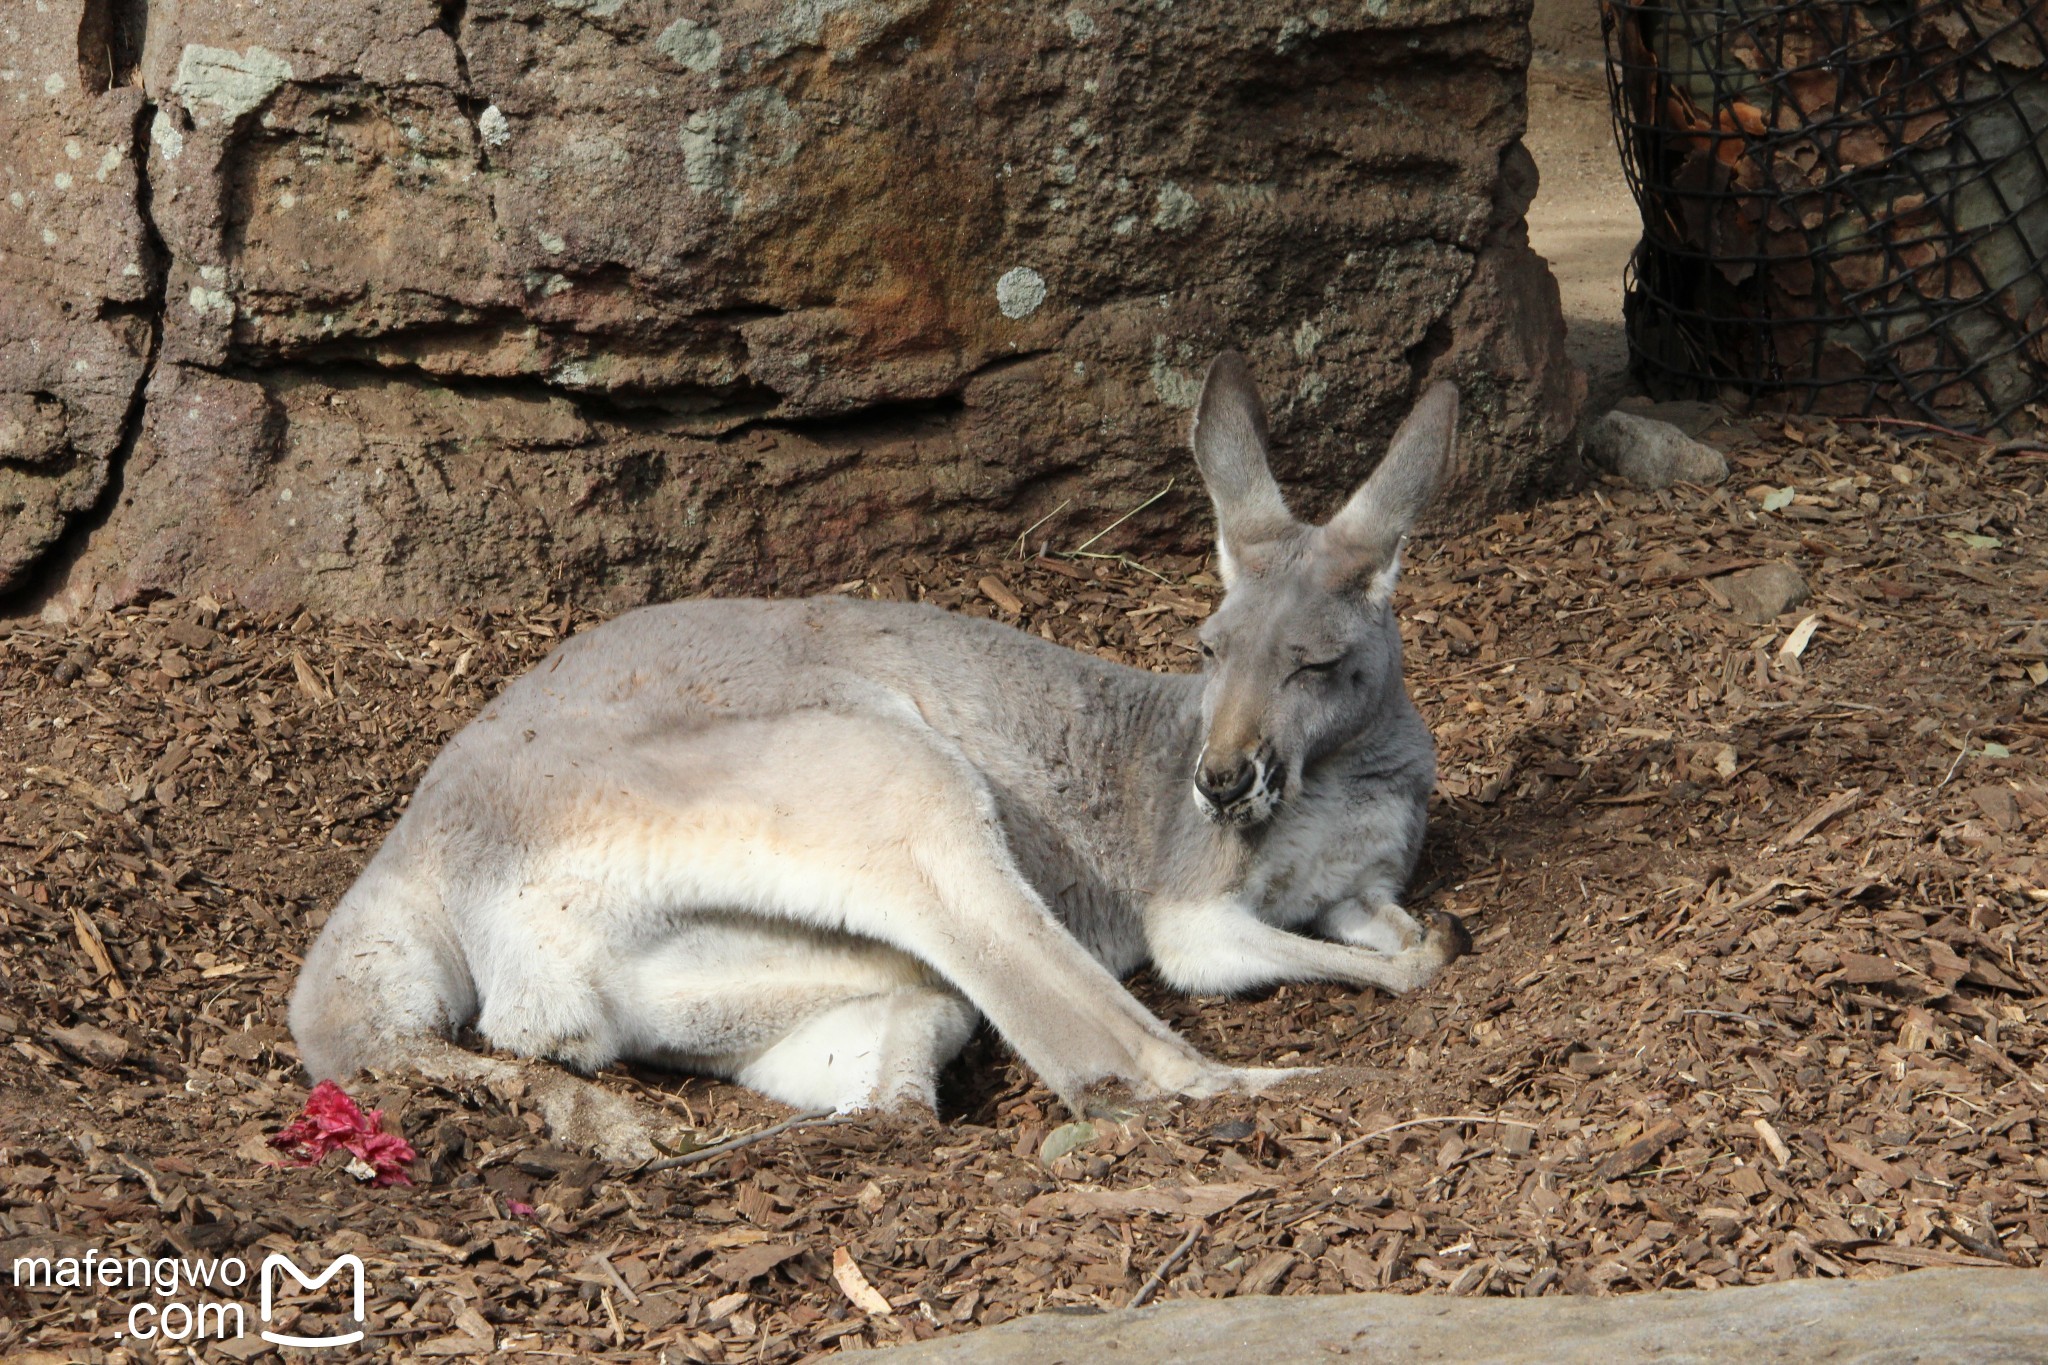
[[751, 1263], [96, 948], [1795, 643], [1067, 1138], [1635, 1154], [309, 681], [846, 1274], [1827, 810]]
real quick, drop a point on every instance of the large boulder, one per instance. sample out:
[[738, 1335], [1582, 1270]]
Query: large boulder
[[462, 304]]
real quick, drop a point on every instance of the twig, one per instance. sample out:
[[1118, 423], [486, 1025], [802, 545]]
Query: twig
[[718, 1149], [1738, 1015], [1912, 424], [1961, 754], [1124, 518], [1025, 534], [1120, 558], [1835, 805], [1411, 1123], [1165, 1268], [611, 1271]]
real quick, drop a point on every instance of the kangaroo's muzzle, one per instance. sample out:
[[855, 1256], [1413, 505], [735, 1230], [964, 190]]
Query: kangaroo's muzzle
[[1237, 789], [1223, 785]]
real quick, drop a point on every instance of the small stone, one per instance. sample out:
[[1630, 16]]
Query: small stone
[[73, 666], [1764, 593], [1652, 454]]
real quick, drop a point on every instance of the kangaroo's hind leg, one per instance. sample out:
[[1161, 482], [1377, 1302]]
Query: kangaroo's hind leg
[[900, 841], [813, 1018]]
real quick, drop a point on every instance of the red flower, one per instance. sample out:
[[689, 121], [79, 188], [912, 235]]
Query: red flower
[[332, 1121]]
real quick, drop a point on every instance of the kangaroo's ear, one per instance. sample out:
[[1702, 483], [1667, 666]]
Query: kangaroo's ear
[[1230, 450], [1362, 543]]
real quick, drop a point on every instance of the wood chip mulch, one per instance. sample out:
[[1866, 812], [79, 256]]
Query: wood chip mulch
[[1758, 989]]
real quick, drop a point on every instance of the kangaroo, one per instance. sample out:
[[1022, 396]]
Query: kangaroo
[[808, 845]]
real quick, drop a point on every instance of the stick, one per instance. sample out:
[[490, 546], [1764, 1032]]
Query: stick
[[1124, 518], [611, 1271], [1025, 534], [1735, 1014], [1173, 1258], [1826, 811], [718, 1149], [1915, 425], [1411, 1123], [1947, 778], [1780, 1153]]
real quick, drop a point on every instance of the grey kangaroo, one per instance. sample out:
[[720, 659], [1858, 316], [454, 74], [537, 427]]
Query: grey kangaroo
[[807, 845]]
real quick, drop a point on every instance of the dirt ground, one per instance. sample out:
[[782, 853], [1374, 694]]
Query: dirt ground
[[1583, 221], [1757, 988]]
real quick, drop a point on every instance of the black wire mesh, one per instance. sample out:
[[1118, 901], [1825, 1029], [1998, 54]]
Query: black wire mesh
[[1845, 206]]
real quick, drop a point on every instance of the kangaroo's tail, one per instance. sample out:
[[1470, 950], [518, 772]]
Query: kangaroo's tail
[[385, 974]]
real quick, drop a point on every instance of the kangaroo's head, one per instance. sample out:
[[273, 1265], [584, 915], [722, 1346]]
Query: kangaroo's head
[[1303, 651]]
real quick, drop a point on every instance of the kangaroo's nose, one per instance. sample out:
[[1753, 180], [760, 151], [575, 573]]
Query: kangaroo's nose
[[1222, 784]]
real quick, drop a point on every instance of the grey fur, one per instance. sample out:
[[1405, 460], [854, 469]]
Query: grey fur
[[804, 844]]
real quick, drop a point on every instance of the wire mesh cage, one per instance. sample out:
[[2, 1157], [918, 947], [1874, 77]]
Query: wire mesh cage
[[1845, 206]]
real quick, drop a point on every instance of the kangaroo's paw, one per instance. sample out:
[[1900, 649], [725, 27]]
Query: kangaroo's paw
[[1259, 1080], [1243, 1080], [1445, 941], [1447, 936]]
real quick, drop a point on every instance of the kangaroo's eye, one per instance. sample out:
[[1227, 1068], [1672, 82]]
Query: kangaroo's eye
[[1208, 650], [1320, 667]]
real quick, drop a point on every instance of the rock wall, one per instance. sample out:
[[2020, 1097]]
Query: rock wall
[[395, 305]]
